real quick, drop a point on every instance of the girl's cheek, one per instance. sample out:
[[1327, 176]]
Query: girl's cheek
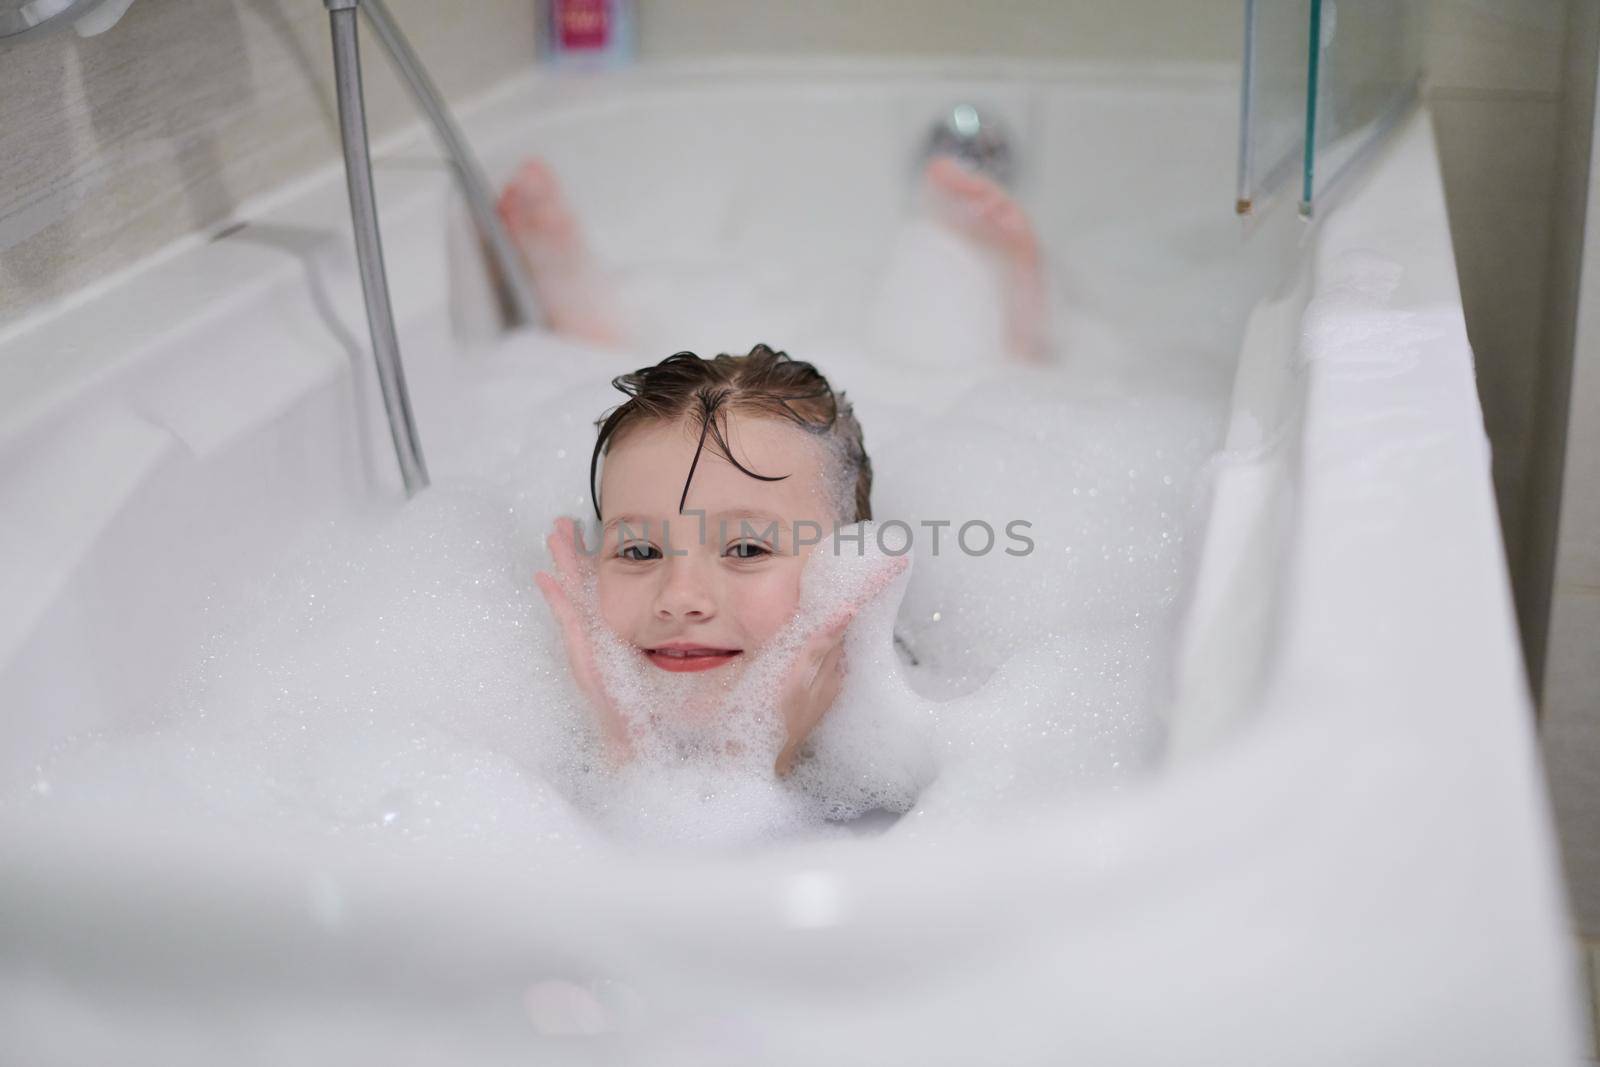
[[771, 605]]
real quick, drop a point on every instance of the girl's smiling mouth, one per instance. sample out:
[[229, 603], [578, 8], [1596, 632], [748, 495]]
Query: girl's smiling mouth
[[679, 656]]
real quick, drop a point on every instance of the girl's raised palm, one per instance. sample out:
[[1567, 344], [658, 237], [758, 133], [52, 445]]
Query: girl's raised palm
[[813, 683], [563, 591]]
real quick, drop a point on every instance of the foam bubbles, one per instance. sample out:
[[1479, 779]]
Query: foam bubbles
[[397, 682], [1088, 500], [394, 680]]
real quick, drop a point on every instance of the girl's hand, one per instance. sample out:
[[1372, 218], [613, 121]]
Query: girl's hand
[[563, 592], [813, 683]]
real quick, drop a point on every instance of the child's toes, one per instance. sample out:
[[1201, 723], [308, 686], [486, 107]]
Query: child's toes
[[534, 179], [1008, 219], [513, 208], [954, 177]]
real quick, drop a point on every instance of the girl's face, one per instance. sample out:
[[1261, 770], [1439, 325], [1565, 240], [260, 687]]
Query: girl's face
[[700, 593]]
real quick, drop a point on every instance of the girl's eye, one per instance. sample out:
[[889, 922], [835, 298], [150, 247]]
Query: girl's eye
[[748, 550], [639, 552]]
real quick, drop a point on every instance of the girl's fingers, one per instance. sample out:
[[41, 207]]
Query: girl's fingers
[[827, 641], [835, 627], [567, 551], [828, 636], [830, 673], [884, 576], [556, 597], [573, 632], [557, 550], [814, 686], [571, 535], [575, 635], [576, 639], [562, 549]]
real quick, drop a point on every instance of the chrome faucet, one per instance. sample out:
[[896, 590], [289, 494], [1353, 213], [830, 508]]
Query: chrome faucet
[[979, 140]]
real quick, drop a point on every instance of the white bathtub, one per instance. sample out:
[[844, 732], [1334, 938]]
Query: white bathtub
[[1347, 857]]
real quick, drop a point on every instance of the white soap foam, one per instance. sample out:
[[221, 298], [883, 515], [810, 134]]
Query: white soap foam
[[398, 682], [1087, 496]]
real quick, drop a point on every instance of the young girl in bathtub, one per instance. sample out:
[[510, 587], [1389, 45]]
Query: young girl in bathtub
[[755, 447]]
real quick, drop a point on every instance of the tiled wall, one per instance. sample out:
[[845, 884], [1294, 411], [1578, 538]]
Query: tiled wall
[[1570, 195], [116, 145], [113, 146], [1569, 462], [1185, 30], [1513, 102], [1496, 90]]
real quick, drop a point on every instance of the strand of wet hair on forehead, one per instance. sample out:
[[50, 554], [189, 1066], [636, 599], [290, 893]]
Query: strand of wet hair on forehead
[[635, 385], [710, 405], [833, 416], [641, 387]]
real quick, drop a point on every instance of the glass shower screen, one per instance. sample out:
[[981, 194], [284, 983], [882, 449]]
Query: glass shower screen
[[1323, 81]]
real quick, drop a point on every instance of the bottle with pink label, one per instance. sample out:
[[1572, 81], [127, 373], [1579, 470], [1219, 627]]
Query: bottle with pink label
[[587, 33]]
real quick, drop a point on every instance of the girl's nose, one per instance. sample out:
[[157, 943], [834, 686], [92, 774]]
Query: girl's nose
[[684, 593]]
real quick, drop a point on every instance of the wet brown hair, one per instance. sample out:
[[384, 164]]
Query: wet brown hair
[[763, 382]]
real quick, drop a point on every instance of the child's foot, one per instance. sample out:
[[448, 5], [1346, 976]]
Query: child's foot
[[564, 277], [979, 208]]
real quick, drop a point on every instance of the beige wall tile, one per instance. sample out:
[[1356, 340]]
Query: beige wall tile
[[1592, 960], [1548, 450], [1578, 549], [1497, 82], [1187, 30], [1570, 721], [1497, 147], [1497, 154], [114, 146], [1571, 738], [1505, 45]]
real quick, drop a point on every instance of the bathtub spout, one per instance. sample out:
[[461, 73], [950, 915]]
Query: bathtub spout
[[977, 139]]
